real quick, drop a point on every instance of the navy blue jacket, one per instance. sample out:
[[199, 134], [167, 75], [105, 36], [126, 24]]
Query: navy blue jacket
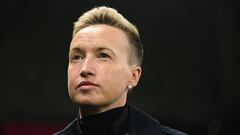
[[131, 122]]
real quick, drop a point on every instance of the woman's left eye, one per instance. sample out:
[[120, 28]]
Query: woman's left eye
[[103, 55]]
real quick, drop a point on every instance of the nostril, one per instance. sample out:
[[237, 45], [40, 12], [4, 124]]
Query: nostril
[[86, 73], [83, 74]]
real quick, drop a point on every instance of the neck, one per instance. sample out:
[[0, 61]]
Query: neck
[[87, 110]]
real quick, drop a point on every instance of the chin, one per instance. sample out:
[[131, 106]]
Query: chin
[[83, 101]]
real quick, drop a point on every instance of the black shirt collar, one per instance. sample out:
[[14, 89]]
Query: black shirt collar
[[109, 122]]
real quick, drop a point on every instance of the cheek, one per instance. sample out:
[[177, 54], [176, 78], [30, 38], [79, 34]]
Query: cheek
[[115, 78], [72, 75]]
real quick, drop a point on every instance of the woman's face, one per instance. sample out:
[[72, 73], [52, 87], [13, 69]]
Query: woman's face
[[98, 70]]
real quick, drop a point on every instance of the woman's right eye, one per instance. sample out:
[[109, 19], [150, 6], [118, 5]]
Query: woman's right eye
[[76, 57]]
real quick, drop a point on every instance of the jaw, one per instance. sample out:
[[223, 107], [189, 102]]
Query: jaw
[[90, 109]]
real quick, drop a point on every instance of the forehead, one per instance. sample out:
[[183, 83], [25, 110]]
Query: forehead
[[101, 36]]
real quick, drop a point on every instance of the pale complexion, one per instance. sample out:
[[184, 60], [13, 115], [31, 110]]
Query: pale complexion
[[99, 72]]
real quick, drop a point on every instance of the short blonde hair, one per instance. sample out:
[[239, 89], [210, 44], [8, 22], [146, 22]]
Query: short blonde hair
[[110, 16]]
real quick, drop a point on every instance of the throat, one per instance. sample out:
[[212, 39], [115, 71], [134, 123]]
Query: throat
[[101, 122]]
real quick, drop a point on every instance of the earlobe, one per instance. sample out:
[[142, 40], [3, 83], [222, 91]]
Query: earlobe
[[136, 74]]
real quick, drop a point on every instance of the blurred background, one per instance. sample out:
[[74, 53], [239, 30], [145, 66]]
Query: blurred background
[[190, 75]]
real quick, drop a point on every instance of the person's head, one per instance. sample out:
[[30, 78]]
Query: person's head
[[109, 16], [105, 59]]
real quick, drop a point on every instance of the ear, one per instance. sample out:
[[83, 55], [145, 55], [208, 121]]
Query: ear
[[135, 75]]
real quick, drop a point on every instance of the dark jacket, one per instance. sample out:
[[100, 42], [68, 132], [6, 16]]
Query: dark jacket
[[131, 122]]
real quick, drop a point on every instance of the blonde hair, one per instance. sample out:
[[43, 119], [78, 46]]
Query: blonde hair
[[109, 16]]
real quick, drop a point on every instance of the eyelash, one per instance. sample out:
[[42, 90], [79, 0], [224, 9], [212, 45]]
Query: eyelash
[[103, 55], [77, 57]]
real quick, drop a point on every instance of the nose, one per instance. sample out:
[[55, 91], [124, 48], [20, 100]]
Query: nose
[[87, 68]]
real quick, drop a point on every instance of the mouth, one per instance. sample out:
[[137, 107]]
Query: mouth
[[86, 85]]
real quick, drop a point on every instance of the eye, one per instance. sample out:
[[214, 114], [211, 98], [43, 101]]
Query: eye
[[77, 57], [103, 55]]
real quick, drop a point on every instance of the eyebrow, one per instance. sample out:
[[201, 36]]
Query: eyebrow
[[78, 49], [104, 48], [74, 50]]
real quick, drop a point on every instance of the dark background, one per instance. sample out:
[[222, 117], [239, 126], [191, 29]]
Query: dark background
[[190, 71]]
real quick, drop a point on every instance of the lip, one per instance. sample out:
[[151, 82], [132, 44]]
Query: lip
[[86, 85]]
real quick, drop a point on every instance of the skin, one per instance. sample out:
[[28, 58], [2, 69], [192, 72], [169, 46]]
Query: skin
[[99, 54]]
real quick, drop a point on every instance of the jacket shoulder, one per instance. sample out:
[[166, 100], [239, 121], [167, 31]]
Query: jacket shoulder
[[145, 124], [139, 115], [70, 129], [142, 123], [170, 131]]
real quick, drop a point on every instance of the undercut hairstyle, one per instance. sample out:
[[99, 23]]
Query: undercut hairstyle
[[109, 16]]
